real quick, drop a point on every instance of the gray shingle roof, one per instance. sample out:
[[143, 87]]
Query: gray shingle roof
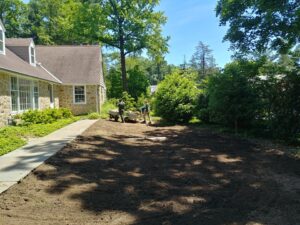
[[72, 64], [18, 42], [13, 63], [19, 46]]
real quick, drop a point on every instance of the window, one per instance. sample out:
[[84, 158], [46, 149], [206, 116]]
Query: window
[[50, 90], [36, 94], [32, 55], [14, 94], [2, 47], [79, 94], [24, 94]]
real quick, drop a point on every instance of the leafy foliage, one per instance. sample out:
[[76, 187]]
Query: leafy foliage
[[114, 84], [108, 105], [130, 103], [175, 98], [138, 83], [14, 15], [131, 26], [259, 96], [12, 138], [258, 25], [233, 100], [45, 116], [203, 61], [279, 91], [94, 116]]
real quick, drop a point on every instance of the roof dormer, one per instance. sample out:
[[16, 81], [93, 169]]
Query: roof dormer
[[2, 38], [24, 48]]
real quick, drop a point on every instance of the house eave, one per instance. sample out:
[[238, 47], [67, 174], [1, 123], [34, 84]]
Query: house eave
[[11, 72]]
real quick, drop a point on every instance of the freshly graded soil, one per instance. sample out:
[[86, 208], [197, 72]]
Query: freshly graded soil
[[135, 174]]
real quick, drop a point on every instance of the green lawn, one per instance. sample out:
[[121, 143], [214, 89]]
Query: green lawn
[[13, 137]]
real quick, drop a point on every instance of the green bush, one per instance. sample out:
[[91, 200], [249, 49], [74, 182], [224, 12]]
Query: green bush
[[93, 116], [281, 104], [202, 111], [175, 98], [233, 97], [44, 116], [141, 101], [130, 104], [108, 105], [66, 113]]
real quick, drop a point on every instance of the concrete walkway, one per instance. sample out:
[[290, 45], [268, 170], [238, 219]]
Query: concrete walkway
[[17, 164]]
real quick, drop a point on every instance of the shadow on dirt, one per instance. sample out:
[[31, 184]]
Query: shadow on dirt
[[193, 177]]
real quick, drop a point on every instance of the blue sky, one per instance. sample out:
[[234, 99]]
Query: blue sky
[[191, 21]]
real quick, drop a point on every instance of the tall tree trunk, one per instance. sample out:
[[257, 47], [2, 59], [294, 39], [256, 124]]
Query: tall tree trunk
[[123, 56], [123, 69]]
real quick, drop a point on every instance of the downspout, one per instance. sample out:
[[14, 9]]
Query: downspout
[[97, 100]]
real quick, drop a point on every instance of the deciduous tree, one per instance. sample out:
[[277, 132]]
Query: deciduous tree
[[132, 26], [13, 14], [258, 25]]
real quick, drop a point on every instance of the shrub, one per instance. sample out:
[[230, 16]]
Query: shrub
[[282, 105], [233, 98], [108, 105], [141, 101], [202, 111], [130, 103], [66, 113], [175, 98], [44, 116], [93, 116]]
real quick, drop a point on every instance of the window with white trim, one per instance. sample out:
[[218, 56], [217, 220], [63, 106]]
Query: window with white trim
[[2, 44], [79, 94], [14, 94], [36, 94], [24, 94], [32, 55]]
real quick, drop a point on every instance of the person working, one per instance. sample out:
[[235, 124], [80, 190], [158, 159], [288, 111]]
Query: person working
[[146, 112], [121, 107]]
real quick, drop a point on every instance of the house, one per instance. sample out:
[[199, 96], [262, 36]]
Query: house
[[40, 77]]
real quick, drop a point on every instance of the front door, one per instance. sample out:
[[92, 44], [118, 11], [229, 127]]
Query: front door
[[50, 89]]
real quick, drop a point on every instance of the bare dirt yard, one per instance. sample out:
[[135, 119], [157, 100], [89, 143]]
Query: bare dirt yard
[[119, 174]]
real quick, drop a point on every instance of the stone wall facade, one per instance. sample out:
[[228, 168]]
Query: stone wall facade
[[44, 95], [5, 97], [92, 104], [63, 97], [5, 105]]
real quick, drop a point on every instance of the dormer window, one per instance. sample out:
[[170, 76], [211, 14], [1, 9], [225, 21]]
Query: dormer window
[[2, 41], [32, 54]]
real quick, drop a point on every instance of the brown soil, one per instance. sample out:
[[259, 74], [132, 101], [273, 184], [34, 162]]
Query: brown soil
[[119, 174]]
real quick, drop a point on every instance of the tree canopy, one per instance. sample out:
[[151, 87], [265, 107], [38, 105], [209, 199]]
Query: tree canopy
[[132, 26], [255, 26], [203, 60], [14, 14]]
